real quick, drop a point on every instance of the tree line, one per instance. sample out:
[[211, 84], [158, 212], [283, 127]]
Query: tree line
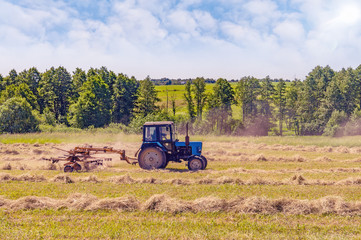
[[326, 102], [95, 98]]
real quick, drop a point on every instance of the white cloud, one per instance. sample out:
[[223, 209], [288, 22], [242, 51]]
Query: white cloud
[[182, 21], [186, 38], [290, 32]]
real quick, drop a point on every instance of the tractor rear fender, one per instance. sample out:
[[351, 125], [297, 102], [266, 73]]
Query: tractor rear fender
[[136, 154], [153, 144]]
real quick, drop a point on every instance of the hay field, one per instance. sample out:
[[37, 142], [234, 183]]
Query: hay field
[[253, 188]]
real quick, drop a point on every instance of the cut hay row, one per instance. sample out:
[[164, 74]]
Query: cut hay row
[[281, 171], [279, 147], [295, 180], [25, 177], [126, 179], [243, 170], [244, 157], [164, 203]]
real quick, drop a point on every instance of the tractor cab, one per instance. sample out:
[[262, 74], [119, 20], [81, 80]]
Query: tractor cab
[[160, 146], [159, 133]]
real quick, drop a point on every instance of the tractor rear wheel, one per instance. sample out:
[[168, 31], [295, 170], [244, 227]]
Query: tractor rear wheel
[[195, 164], [165, 164], [152, 158], [68, 168]]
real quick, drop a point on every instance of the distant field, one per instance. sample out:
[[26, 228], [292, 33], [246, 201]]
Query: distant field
[[253, 188], [177, 92]]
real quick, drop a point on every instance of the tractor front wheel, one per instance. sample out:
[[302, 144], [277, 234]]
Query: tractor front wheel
[[205, 162], [195, 164], [152, 158]]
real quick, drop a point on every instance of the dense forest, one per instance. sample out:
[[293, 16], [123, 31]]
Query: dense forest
[[326, 102]]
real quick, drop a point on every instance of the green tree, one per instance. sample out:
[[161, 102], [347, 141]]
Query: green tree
[[93, 106], [108, 77], [280, 101], [335, 124], [247, 92], [220, 110], [78, 79], [1, 83], [16, 116], [173, 104], [313, 111], [266, 92], [11, 79], [199, 89], [91, 72], [341, 96], [357, 76], [124, 98], [189, 100], [147, 98], [21, 90], [292, 102], [30, 77], [223, 95], [55, 92]]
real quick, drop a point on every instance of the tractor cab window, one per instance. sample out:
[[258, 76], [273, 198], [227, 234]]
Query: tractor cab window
[[164, 133], [150, 134]]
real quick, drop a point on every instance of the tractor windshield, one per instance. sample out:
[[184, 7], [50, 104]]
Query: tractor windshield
[[165, 133], [150, 134]]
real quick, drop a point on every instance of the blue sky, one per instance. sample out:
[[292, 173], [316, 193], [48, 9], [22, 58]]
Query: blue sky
[[182, 38]]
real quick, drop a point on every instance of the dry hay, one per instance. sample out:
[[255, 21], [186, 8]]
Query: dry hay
[[349, 181], [259, 157], [213, 148], [22, 166], [62, 178], [37, 151], [164, 203], [298, 158], [7, 166], [51, 166], [323, 159], [297, 179], [125, 179], [179, 181], [298, 170], [124, 203], [11, 152], [31, 202], [92, 179], [25, 177]]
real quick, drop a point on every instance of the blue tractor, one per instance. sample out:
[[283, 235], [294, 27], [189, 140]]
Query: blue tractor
[[160, 147]]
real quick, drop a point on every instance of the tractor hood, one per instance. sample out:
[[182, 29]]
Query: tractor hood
[[196, 147]]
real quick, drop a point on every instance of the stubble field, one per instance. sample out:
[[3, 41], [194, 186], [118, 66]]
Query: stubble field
[[253, 188]]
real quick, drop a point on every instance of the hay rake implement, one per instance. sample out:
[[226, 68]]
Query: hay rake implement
[[85, 155]]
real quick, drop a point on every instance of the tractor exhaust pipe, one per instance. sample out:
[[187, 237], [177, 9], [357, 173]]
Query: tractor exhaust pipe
[[187, 137]]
